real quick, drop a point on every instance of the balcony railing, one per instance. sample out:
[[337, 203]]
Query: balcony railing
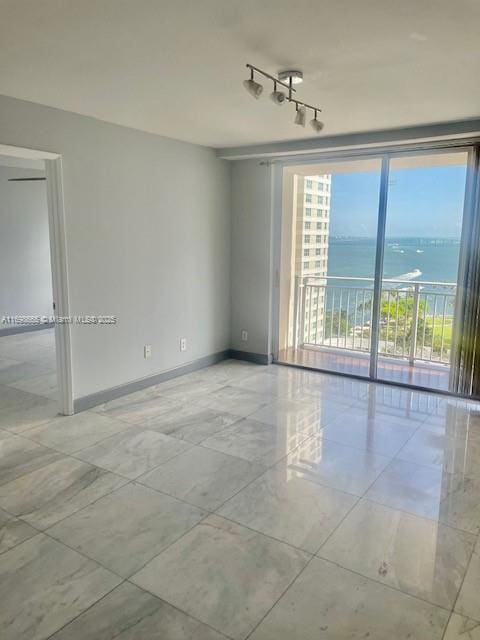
[[416, 318]]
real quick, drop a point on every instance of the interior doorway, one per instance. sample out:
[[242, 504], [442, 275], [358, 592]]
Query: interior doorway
[[27, 340], [35, 353], [370, 259]]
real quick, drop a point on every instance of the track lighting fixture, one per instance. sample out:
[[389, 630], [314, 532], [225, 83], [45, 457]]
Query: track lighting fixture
[[301, 115], [278, 97], [316, 125], [285, 79], [254, 88]]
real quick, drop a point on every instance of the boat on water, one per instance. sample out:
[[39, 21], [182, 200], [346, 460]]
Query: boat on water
[[399, 281], [410, 275]]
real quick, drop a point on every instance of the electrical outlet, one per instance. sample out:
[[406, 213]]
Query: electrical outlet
[[244, 336], [183, 344], [147, 351]]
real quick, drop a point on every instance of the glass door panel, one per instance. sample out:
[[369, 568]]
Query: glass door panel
[[329, 244], [421, 252]]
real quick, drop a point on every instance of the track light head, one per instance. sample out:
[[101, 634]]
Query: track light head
[[278, 97], [316, 125], [300, 116], [254, 88]]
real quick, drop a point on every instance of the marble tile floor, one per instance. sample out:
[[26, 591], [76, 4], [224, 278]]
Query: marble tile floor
[[27, 363], [241, 501]]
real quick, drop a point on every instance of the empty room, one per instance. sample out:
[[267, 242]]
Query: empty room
[[239, 320]]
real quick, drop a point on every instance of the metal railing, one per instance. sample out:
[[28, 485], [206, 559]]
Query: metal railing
[[416, 317]]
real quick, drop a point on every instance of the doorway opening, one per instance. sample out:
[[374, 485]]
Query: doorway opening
[[35, 354], [27, 341]]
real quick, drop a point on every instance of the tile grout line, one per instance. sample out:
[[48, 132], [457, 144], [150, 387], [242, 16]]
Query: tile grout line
[[416, 515], [207, 514], [383, 584], [301, 572], [290, 584], [447, 624], [22, 518], [177, 608], [419, 517], [364, 497], [85, 611], [265, 535], [452, 612], [63, 544], [123, 578]]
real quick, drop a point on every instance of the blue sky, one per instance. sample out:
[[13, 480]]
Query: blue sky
[[422, 202]]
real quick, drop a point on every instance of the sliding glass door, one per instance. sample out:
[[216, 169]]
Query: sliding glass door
[[332, 210], [370, 261], [421, 252]]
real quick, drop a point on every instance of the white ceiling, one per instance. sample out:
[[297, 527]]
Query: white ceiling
[[175, 67]]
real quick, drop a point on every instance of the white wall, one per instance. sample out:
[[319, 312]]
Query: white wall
[[25, 274], [148, 240], [252, 210]]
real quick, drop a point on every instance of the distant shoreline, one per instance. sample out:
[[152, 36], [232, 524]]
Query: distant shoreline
[[403, 239]]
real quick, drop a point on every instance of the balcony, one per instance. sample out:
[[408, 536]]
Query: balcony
[[333, 328]]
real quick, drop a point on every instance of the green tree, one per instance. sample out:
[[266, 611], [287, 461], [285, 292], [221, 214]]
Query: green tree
[[396, 321]]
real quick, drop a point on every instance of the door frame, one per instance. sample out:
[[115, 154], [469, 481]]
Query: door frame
[[385, 153], [58, 259]]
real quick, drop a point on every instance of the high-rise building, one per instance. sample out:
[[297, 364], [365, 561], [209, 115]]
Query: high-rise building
[[311, 246]]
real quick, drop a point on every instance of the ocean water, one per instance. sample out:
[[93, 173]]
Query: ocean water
[[413, 259]]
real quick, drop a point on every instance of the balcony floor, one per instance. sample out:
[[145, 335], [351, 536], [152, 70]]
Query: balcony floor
[[422, 374]]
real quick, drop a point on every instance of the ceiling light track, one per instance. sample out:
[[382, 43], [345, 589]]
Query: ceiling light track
[[255, 89], [272, 78]]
